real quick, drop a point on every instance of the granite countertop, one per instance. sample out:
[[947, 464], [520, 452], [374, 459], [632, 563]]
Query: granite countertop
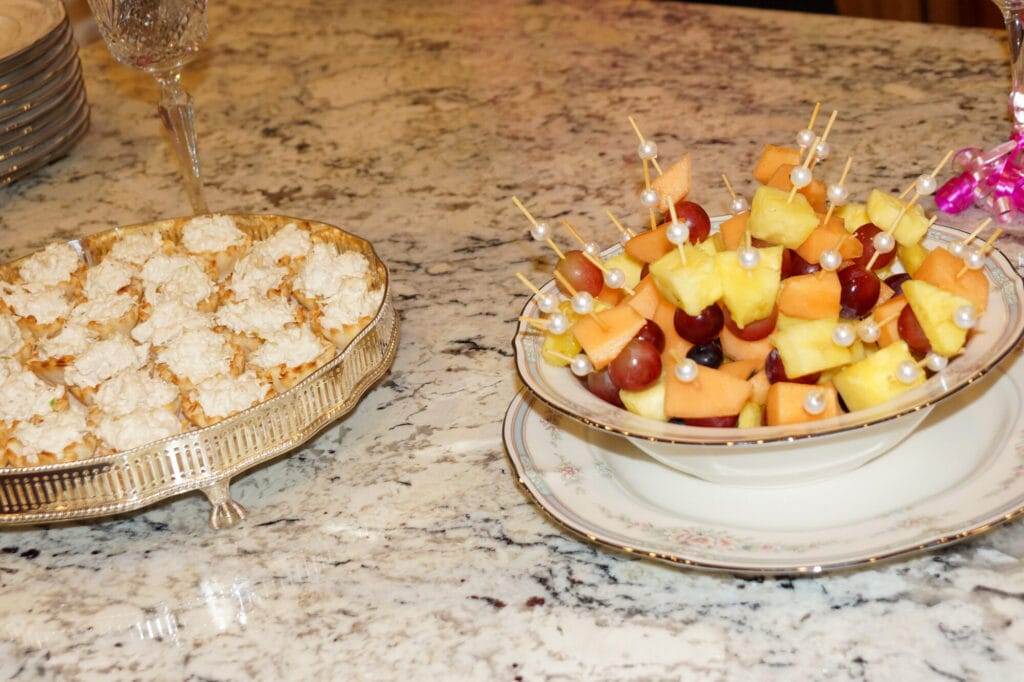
[[396, 544]]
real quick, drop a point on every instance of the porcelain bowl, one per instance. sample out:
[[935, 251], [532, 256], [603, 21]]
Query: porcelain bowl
[[792, 454]]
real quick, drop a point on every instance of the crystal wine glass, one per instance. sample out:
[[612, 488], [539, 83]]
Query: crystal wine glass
[[160, 37]]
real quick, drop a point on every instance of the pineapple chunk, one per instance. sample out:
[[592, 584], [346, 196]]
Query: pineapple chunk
[[749, 294], [807, 347], [778, 222], [630, 267], [873, 380], [883, 209], [694, 286], [934, 308], [911, 257], [648, 402], [751, 416], [853, 215]]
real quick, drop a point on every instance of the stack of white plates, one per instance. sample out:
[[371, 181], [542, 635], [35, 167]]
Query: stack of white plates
[[43, 108]]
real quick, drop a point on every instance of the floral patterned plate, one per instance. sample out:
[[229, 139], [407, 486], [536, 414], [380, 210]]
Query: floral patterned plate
[[960, 474]]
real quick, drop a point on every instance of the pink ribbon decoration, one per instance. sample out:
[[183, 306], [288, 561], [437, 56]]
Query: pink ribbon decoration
[[993, 180]]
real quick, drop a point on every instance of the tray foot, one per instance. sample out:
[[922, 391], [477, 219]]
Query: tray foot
[[226, 512]]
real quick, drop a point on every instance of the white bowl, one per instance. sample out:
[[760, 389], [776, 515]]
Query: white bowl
[[792, 454]]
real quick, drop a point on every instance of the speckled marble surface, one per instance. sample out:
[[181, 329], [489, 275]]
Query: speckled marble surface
[[396, 546]]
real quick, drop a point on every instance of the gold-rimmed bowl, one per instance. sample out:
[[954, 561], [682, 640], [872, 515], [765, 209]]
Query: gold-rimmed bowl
[[207, 459], [792, 454]]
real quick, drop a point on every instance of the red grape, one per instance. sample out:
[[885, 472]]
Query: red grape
[[793, 265], [581, 273], [756, 330], [895, 282], [860, 288], [601, 385], [702, 328], [707, 354], [865, 234], [760, 243], [911, 332], [636, 367], [652, 333], [776, 371], [714, 422], [700, 223]]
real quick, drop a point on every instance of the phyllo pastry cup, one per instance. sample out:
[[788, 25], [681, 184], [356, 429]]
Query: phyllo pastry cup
[[41, 312], [15, 342], [100, 362], [143, 426], [247, 323], [107, 316], [287, 247], [224, 395], [290, 355], [109, 278], [198, 355], [50, 357], [216, 241], [326, 271], [57, 437], [58, 266]]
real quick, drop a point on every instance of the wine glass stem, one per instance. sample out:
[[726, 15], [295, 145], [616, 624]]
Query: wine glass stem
[[176, 112], [1014, 17]]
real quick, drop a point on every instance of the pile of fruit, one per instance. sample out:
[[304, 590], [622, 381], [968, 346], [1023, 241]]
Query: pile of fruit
[[800, 307]]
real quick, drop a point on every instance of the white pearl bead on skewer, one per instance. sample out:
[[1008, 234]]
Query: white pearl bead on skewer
[[738, 205], [548, 303], [844, 335], [822, 150], [583, 303], [883, 242], [830, 260], [975, 260], [678, 233], [592, 249], [965, 317], [814, 402], [581, 365], [558, 324], [686, 371], [805, 138], [926, 185], [800, 176], [936, 362], [649, 198], [749, 257], [869, 331], [540, 231], [837, 194], [647, 150], [614, 278], [958, 249], [908, 372]]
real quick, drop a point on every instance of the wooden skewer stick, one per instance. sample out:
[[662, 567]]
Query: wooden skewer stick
[[626, 232], [601, 266], [728, 186], [554, 247], [974, 233], [529, 285], [985, 248], [917, 195], [814, 116], [529, 216], [572, 292], [876, 254], [647, 184], [574, 232], [535, 322], [636, 129], [842, 179], [560, 356], [934, 173], [824, 138], [810, 155]]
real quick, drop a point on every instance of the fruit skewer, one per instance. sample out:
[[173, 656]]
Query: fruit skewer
[[805, 138], [976, 259], [623, 230]]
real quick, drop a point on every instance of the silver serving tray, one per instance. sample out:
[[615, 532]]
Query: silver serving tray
[[208, 459]]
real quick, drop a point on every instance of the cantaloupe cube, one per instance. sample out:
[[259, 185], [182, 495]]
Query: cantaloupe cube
[[889, 312], [751, 416], [911, 257], [807, 347], [940, 268], [759, 386], [873, 380], [749, 294], [771, 158], [649, 246], [829, 237], [883, 209], [741, 369], [853, 216], [602, 345], [785, 403], [811, 297], [674, 182], [774, 220], [692, 286], [646, 298], [934, 309], [738, 349], [733, 229], [610, 297], [712, 394], [631, 267]]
